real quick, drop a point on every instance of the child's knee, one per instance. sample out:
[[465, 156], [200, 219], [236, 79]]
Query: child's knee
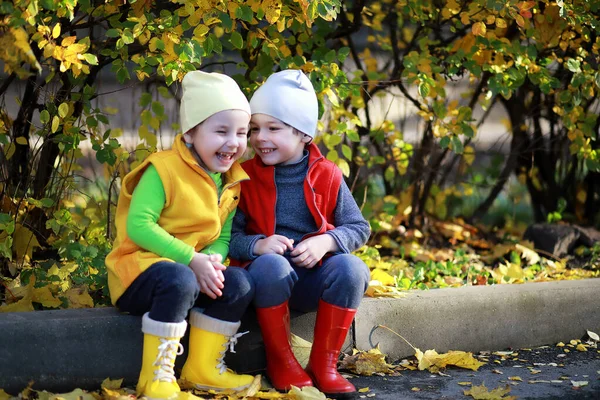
[[239, 282], [270, 266], [181, 281], [352, 269]]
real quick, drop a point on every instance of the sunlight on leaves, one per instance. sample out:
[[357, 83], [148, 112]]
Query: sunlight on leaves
[[378, 289]]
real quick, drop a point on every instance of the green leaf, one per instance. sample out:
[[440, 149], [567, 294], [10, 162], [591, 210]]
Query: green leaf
[[236, 40], [90, 58], [457, 145], [445, 142], [91, 121], [347, 151], [244, 13], [343, 54], [424, 89], [330, 56], [63, 110], [158, 108], [353, 136], [44, 116], [573, 65], [112, 33], [47, 202], [164, 92], [145, 99]]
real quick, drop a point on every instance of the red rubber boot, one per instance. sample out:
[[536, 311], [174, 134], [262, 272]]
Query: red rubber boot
[[282, 367], [331, 329]]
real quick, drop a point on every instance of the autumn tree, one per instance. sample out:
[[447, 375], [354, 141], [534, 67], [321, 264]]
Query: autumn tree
[[536, 60]]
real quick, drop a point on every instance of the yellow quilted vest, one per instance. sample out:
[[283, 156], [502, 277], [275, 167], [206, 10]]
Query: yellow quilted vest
[[193, 212]]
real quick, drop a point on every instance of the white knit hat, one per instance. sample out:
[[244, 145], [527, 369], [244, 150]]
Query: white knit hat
[[205, 94], [290, 97]]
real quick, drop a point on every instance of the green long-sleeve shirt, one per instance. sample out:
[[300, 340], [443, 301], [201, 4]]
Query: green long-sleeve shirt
[[147, 203]]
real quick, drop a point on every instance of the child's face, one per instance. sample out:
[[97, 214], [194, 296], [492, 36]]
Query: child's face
[[220, 139], [275, 142]]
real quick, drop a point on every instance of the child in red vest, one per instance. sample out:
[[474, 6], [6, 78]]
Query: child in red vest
[[295, 228], [173, 221]]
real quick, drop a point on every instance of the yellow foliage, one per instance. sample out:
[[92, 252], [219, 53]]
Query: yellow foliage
[[433, 362], [482, 393], [367, 363], [380, 275], [15, 49], [111, 384], [301, 349], [377, 289], [24, 242], [79, 298], [306, 393]]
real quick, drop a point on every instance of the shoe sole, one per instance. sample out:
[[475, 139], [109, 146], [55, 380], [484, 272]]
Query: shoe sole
[[217, 389]]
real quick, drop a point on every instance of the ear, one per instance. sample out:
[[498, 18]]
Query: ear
[[306, 139], [187, 137]]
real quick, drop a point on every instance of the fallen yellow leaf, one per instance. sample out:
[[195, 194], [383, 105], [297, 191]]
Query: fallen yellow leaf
[[383, 277], [307, 393], [581, 347], [111, 384], [482, 393], [432, 361], [301, 349], [367, 363], [377, 289], [363, 390], [76, 394]]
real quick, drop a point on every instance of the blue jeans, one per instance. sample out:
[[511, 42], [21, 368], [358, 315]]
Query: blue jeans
[[341, 280], [169, 290]]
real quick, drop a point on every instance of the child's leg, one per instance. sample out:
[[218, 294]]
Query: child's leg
[[275, 278], [336, 289], [167, 290], [213, 330], [163, 294]]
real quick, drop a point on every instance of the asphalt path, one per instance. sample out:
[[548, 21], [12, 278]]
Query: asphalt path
[[547, 372]]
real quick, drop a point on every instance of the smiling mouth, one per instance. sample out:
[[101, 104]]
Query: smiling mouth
[[266, 151], [225, 156]]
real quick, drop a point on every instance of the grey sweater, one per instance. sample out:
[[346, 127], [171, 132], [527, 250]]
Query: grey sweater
[[294, 220]]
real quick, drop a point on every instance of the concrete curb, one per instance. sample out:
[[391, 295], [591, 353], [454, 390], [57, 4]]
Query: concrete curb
[[64, 349]]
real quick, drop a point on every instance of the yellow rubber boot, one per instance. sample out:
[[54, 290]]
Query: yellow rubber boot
[[161, 347], [209, 340]]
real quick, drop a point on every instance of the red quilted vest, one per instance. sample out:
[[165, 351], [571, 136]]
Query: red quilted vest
[[259, 194]]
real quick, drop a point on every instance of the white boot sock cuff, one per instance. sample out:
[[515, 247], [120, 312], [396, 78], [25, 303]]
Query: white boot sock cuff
[[210, 324], [163, 329]]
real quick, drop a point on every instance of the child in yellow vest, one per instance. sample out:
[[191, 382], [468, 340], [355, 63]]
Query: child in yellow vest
[[173, 221]]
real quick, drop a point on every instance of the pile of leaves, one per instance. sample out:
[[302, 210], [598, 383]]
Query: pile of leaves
[[454, 254]]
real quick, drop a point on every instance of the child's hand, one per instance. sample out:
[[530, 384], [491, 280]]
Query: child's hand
[[310, 251], [208, 273], [275, 244], [216, 260]]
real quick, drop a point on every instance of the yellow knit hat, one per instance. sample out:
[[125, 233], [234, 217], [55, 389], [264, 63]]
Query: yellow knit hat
[[205, 94]]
